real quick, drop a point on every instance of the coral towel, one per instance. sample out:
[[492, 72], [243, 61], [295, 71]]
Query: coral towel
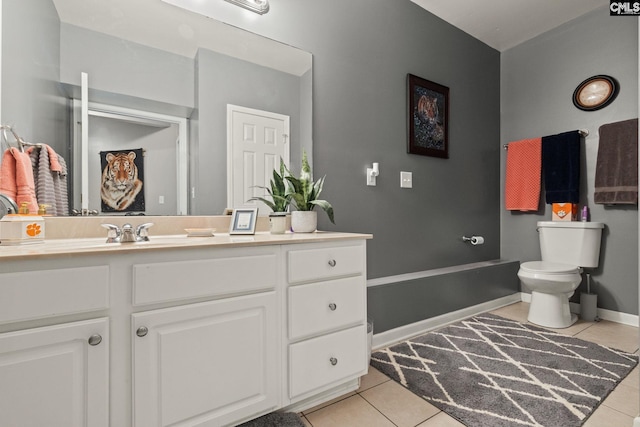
[[16, 178], [524, 166]]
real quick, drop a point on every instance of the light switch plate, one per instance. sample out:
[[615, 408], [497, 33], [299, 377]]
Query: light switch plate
[[406, 180]]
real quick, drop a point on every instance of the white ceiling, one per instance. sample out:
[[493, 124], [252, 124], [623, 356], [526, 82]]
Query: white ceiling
[[503, 24], [162, 25]]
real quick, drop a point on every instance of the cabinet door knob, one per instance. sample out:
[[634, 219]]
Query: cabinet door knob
[[333, 361], [332, 262], [95, 339], [142, 331], [333, 306]]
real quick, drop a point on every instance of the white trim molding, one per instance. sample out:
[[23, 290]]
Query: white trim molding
[[402, 333], [387, 338]]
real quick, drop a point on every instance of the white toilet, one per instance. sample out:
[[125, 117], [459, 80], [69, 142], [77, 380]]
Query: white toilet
[[566, 247]]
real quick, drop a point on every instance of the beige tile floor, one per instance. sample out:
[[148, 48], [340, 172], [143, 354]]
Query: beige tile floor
[[381, 402]]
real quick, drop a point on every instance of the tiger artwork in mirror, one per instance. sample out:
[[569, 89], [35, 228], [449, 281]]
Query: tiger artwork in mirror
[[122, 181]]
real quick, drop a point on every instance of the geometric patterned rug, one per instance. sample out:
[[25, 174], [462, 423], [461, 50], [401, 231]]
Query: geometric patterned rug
[[276, 419], [491, 371]]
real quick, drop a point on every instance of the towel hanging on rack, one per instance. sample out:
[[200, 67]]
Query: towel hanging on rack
[[50, 179], [522, 183], [16, 178], [561, 167], [617, 164]]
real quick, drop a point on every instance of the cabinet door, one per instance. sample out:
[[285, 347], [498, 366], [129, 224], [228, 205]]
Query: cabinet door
[[54, 377], [206, 364]]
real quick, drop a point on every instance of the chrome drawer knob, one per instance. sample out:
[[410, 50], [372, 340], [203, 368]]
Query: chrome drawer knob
[[332, 262], [333, 306], [95, 339], [142, 331], [333, 361]]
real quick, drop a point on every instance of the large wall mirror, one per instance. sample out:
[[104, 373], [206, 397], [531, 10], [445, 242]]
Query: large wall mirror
[[158, 79]]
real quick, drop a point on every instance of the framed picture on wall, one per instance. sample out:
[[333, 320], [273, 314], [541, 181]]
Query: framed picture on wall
[[428, 117]]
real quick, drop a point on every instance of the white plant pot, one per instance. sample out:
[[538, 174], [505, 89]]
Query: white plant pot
[[304, 221], [278, 223]]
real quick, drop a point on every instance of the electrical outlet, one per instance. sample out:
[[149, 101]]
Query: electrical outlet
[[406, 180]]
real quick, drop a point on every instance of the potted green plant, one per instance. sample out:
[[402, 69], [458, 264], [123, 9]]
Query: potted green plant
[[279, 200], [305, 195]]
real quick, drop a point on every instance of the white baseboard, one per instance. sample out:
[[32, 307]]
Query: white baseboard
[[393, 336], [387, 338]]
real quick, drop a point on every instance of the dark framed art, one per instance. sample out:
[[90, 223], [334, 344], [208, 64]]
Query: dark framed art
[[428, 117]]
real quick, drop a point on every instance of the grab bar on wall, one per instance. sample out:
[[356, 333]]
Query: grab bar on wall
[[583, 133]]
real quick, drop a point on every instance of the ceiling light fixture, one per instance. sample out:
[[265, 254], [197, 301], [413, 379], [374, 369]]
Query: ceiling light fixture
[[258, 6]]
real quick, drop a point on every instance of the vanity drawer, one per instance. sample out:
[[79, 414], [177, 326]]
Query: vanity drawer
[[45, 293], [323, 263], [179, 280], [321, 361], [324, 306]]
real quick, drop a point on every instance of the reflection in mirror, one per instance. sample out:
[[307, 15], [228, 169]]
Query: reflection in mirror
[[151, 57]]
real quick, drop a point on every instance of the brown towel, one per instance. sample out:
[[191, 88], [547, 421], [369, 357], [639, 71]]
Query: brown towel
[[617, 164]]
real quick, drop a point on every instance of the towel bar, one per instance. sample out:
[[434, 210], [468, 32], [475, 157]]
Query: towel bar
[[582, 132]]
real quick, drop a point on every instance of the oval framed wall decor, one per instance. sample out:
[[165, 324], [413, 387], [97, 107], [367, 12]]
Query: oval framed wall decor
[[595, 93]]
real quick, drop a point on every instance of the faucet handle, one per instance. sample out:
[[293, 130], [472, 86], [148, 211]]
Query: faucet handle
[[114, 233], [142, 234]]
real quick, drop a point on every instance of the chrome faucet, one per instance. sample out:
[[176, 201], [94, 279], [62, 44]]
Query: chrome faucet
[[127, 234]]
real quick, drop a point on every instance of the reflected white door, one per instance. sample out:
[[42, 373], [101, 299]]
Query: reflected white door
[[256, 140]]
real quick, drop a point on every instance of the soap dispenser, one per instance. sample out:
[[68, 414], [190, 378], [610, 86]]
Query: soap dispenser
[[24, 208], [23, 228]]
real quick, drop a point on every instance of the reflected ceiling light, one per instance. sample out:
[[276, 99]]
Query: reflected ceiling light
[[257, 6]]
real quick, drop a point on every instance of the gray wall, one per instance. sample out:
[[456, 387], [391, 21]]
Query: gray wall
[[362, 51], [538, 80], [223, 80], [32, 99], [120, 67]]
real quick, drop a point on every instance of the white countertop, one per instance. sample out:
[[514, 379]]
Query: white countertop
[[76, 246]]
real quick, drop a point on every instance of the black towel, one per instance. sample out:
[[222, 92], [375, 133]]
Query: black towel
[[561, 167]]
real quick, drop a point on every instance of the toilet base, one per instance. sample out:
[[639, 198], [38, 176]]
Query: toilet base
[[550, 310]]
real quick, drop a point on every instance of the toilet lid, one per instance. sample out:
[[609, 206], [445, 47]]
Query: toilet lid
[[548, 267]]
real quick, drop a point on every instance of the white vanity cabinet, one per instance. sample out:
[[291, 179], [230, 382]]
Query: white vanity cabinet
[[191, 332], [55, 375], [326, 303], [212, 362]]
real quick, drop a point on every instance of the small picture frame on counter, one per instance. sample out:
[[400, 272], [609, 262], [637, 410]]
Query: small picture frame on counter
[[243, 221]]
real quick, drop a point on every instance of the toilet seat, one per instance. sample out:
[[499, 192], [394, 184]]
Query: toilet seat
[[548, 267]]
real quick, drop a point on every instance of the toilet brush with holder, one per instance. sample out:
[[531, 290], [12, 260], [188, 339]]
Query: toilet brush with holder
[[589, 304]]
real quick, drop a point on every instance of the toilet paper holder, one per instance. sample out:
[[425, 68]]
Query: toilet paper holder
[[474, 240]]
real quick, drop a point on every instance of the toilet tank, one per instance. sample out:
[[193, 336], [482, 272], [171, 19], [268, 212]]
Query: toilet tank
[[571, 242]]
